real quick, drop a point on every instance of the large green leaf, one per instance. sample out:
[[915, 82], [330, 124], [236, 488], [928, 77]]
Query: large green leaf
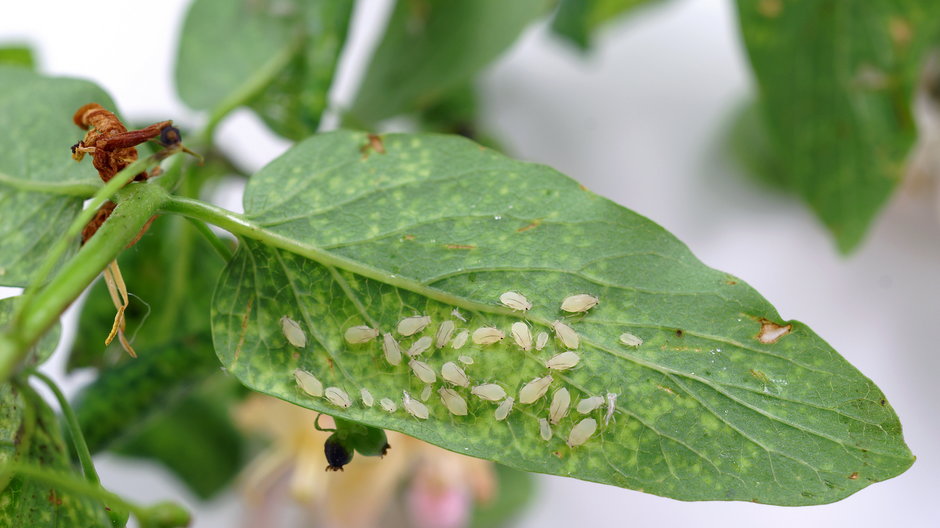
[[431, 47], [578, 20], [709, 406], [37, 132], [226, 44], [836, 80]]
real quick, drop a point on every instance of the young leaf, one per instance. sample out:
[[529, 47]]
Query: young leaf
[[837, 98], [37, 132], [578, 20], [433, 47], [722, 401]]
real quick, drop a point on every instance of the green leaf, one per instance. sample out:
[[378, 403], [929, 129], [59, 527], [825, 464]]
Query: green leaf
[[29, 433], [213, 66], [835, 81], [47, 343], [346, 236], [37, 132], [17, 56], [432, 47], [751, 148], [514, 491], [578, 20]]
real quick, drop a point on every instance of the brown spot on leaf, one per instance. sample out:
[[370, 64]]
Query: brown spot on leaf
[[730, 282], [535, 223], [770, 8], [241, 338], [375, 143], [460, 246], [771, 332], [408, 237], [666, 389], [854, 475], [900, 31], [679, 332], [760, 376]]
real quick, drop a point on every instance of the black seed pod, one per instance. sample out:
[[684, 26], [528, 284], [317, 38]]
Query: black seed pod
[[337, 455]]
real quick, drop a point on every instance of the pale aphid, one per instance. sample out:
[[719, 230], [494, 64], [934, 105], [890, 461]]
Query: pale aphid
[[545, 430], [391, 348], [541, 340], [453, 401], [521, 335], [534, 389], [563, 361], [505, 407], [367, 398], [360, 334], [292, 331], [489, 391], [587, 405], [581, 432], [581, 302], [611, 407], [460, 340], [630, 340], [515, 301], [454, 374], [487, 335], [559, 408], [456, 313], [466, 360], [338, 397], [425, 393], [414, 324], [443, 333], [388, 405], [423, 371], [566, 334], [414, 407], [308, 382], [419, 346]]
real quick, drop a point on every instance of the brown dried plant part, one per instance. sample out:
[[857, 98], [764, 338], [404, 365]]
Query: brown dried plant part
[[118, 291], [109, 142]]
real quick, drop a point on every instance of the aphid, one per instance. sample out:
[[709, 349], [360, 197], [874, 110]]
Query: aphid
[[454, 374], [581, 432], [515, 301], [563, 361], [453, 401], [308, 382], [587, 405], [391, 348], [443, 333], [521, 335], [466, 360], [505, 407], [367, 398], [545, 430], [338, 397], [456, 313], [559, 408], [337, 455], [414, 407], [566, 335], [579, 303], [419, 346], [541, 340], [360, 334], [292, 331], [425, 393], [534, 389], [423, 371], [460, 340], [487, 335], [611, 406], [414, 324], [630, 339], [388, 405], [489, 391]]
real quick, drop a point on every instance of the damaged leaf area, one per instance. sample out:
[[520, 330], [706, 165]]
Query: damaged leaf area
[[697, 407]]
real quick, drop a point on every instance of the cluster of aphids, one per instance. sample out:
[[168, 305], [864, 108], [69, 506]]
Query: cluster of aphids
[[455, 375]]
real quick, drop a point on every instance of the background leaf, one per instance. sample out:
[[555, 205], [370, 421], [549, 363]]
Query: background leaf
[[431, 47], [37, 132], [578, 20], [17, 56], [706, 410], [514, 491], [835, 82]]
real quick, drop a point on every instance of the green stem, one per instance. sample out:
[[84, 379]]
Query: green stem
[[81, 448], [79, 189], [217, 243]]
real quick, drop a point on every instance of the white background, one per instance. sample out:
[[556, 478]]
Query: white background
[[641, 120]]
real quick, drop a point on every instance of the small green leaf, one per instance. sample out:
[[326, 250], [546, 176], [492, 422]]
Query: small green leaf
[[17, 56], [836, 81], [723, 400], [432, 47], [37, 132], [579, 20]]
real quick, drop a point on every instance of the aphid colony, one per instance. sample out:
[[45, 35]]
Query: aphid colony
[[455, 377]]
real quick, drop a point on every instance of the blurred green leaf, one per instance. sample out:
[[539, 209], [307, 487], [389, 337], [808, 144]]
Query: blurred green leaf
[[514, 492], [432, 47], [578, 20], [17, 56], [750, 146], [835, 80], [47, 343]]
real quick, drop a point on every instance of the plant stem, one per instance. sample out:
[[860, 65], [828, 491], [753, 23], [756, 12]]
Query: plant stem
[[81, 447], [217, 243]]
